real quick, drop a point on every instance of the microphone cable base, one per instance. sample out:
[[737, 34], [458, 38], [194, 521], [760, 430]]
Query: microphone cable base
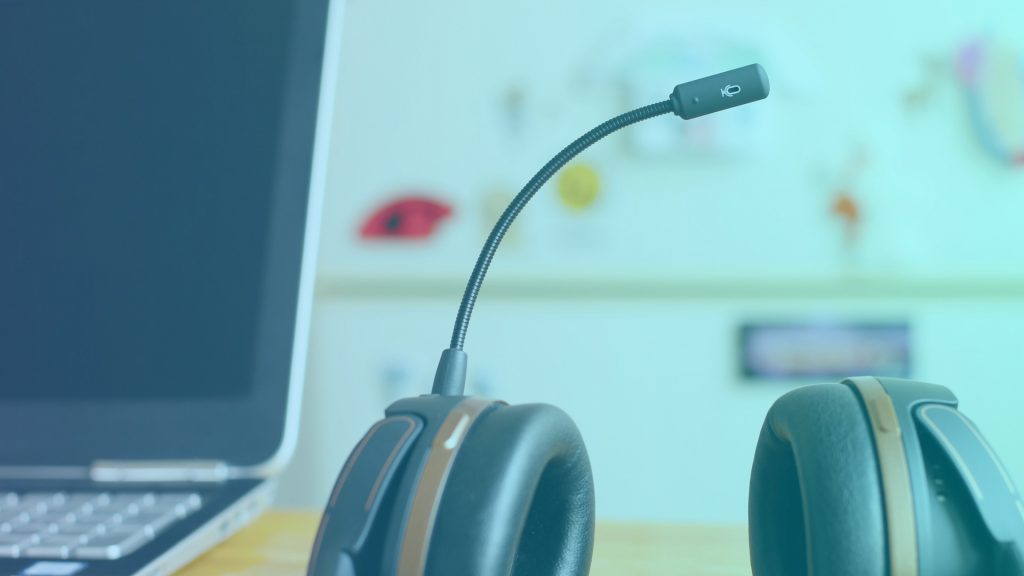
[[450, 378]]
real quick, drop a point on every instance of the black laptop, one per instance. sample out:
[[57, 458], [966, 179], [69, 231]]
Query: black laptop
[[161, 165]]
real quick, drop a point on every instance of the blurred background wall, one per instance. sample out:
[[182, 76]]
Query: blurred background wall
[[880, 187]]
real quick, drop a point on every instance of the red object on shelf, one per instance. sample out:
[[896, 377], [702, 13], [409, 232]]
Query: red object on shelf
[[410, 218]]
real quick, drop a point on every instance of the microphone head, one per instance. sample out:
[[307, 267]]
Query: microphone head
[[721, 91]]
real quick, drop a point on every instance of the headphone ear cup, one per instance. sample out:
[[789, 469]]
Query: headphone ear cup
[[816, 503], [519, 499]]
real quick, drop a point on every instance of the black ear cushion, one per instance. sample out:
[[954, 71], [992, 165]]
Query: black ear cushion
[[816, 504], [519, 499]]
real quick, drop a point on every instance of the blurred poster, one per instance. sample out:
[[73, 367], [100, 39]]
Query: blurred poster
[[824, 351]]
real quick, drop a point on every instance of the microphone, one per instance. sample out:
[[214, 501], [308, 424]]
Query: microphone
[[689, 100], [720, 92]]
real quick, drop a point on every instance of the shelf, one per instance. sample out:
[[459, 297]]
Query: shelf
[[674, 288]]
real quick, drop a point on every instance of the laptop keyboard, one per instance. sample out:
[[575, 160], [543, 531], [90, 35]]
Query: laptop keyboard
[[87, 525]]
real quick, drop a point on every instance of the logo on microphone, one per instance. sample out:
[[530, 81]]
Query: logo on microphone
[[730, 91]]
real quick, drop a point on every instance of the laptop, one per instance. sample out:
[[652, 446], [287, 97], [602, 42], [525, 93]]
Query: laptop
[[161, 169]]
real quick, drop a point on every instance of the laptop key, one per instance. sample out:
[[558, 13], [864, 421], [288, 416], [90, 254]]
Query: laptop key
[[52, 547], [111, 546], [75, 499], [33, 528], [24, 510], [181, 504], [35, 503], [157, 522], [55, 518], [125, 515], [49, 498], [100, 501], [190, 500], [8, 524], [11, 545], [81, 529], [21, 539], [125, 499]]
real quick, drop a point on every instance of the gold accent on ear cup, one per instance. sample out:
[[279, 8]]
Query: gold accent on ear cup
[[901, 524], [443, 449]]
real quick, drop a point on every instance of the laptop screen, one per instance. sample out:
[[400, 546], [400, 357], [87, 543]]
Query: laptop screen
[[138, 143]]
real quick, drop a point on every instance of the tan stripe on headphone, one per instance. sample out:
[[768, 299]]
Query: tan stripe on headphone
[[901, 526], [443, 449]]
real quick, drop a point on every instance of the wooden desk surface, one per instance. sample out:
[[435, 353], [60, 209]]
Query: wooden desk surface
[[278, 545]]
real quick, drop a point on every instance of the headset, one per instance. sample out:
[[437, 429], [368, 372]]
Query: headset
[[869, 477]]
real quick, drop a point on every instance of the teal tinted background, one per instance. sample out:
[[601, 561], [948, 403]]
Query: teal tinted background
[[866, 189]]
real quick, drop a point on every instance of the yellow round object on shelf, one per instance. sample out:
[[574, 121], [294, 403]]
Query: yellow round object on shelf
[[578, 186]]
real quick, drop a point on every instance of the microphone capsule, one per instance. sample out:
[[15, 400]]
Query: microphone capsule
[[721, 91]]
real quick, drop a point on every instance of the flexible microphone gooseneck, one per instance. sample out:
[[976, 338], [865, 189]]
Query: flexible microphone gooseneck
[[688, 100]]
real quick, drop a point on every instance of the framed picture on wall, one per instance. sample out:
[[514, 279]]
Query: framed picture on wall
[[798, 351]]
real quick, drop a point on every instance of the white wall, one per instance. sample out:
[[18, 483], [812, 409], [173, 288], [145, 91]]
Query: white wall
[[682, 246]]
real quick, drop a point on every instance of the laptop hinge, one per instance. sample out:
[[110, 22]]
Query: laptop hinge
[[159, 471]]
